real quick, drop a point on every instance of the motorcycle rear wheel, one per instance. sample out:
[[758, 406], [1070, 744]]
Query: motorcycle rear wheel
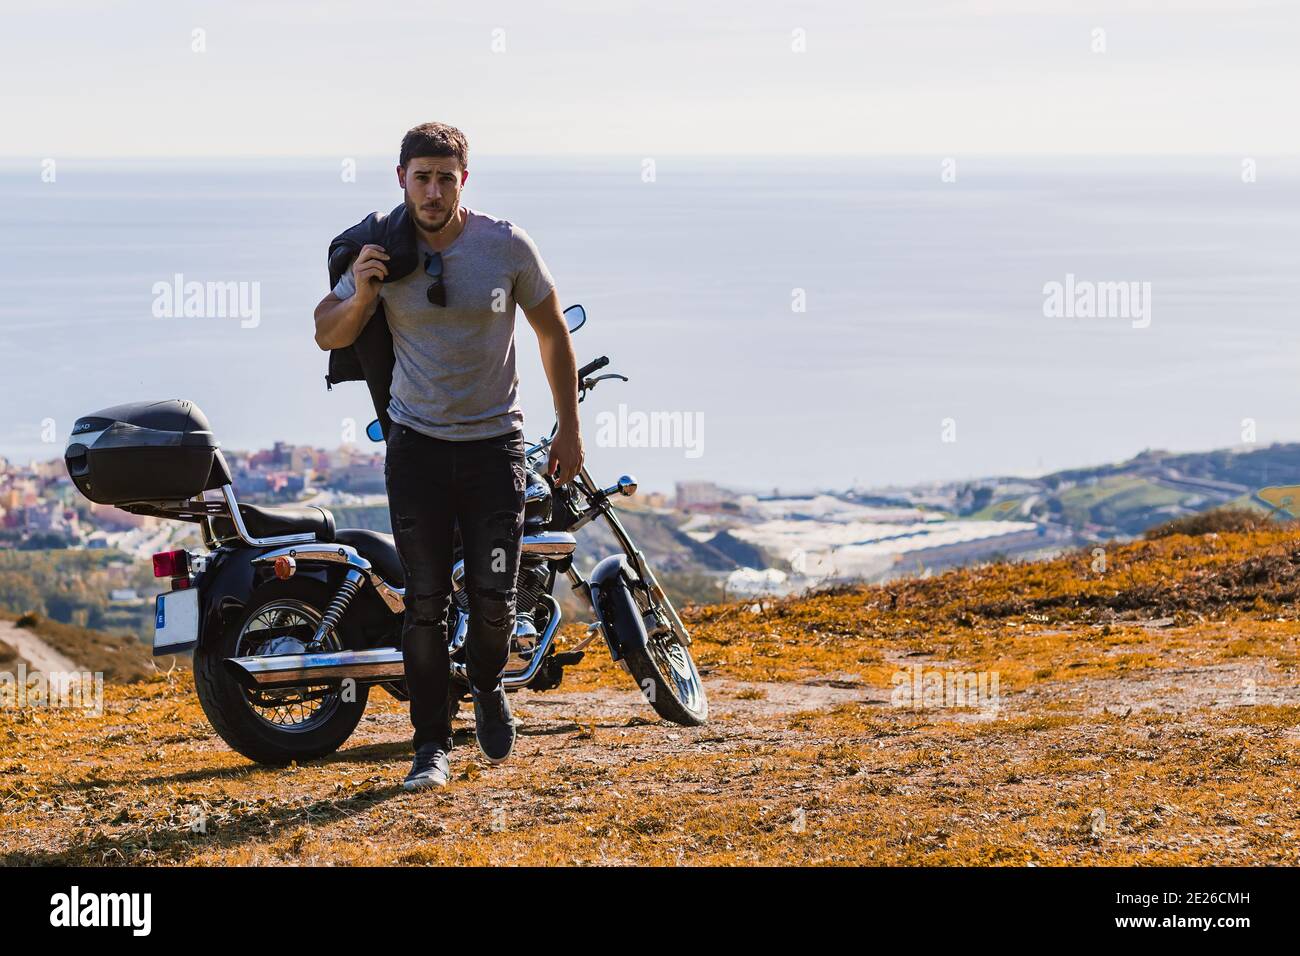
[[247, 723]]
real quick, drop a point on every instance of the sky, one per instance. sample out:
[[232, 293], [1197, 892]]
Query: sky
[[332, 78]]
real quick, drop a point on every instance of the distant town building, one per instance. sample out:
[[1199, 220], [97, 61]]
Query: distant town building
[[360, 479], [702, 496], [302, 459], [106, 516]]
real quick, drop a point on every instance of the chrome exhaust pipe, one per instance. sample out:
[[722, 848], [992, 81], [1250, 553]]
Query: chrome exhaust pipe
[[293, 670], [372, 666]]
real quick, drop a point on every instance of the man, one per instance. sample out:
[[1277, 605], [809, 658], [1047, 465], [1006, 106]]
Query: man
[[455, 445]]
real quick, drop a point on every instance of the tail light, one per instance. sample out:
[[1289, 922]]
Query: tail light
[[171, 564]]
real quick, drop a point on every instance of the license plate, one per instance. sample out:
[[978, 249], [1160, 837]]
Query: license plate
[[176, 621]]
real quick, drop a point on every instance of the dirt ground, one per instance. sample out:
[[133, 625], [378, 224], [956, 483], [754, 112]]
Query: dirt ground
[[815, 771], [1145, 740]]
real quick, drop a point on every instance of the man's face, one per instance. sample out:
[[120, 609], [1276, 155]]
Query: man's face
[[432, 185]]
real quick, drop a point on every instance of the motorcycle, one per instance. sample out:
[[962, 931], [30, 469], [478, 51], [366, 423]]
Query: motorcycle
[[293, 621]]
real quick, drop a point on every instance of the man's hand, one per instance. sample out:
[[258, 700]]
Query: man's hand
[[566, 455], [369, 270], [340, 321]]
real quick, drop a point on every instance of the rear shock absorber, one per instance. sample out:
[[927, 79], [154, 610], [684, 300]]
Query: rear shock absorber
[[334, 613]]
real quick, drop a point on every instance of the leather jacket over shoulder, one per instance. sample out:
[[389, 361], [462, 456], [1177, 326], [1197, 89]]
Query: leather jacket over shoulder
[[370, 357]]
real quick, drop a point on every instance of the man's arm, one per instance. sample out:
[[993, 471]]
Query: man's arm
[[561, 366], [339, 320]]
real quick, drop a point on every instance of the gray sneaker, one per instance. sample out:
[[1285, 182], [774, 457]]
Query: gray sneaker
[[493, 725], [430, 769]]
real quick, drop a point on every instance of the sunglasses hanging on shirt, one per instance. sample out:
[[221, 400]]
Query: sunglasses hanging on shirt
[[437, 292]]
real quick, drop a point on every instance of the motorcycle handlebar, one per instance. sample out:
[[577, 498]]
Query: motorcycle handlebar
[[593, 366]]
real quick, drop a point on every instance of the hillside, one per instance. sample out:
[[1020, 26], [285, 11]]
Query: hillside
[[751, 544], [1246, 467], [1145, 712], [74, 586], [34, 639], [1124, 499]]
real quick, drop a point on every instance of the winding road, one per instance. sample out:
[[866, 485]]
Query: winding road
[[39, 655]]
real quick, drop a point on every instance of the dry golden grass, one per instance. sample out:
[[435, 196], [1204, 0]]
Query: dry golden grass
[[1148, 714]]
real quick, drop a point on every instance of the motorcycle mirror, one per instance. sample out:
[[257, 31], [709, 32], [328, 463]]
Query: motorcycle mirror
[[576, 317], [375, 431]]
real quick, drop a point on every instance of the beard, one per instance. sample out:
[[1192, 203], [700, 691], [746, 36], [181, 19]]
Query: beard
[[427, 224]]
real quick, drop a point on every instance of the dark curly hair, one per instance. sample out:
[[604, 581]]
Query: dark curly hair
[[434, 139]]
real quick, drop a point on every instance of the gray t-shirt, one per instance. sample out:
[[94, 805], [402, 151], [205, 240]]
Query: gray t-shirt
[[454, 371]]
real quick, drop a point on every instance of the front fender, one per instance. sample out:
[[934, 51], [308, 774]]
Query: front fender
[[615, 611]]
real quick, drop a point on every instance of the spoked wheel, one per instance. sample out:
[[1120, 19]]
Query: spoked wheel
[[662, 663], [276, 726], [286, 626]]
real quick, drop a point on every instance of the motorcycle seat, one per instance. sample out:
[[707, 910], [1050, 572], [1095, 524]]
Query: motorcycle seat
[[377, 548], [264, 522]]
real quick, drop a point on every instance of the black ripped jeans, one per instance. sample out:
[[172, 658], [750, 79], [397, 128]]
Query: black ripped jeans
[[433, 486]]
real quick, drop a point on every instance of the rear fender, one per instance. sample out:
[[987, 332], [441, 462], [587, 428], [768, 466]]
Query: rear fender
[[232, 577], [224, 589]]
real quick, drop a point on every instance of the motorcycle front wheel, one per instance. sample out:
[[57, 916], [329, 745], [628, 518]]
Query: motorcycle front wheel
[[660, 662]]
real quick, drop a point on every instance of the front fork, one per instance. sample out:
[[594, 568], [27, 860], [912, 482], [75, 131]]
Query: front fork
[[600, 506]]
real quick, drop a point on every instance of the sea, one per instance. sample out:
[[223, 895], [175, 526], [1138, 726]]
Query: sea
[[786, 324]]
